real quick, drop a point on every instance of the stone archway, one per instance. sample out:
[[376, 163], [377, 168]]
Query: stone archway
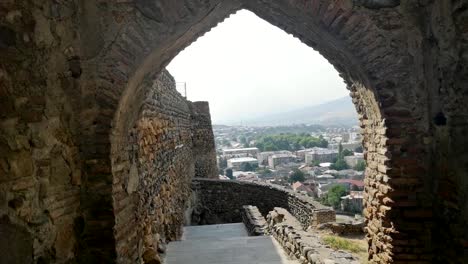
[[75, 70], [341, 34]]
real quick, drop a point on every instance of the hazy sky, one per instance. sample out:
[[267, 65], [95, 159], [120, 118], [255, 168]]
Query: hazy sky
[[246, 67]]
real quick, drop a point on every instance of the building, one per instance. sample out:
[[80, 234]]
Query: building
[[236, 163], [325, 178], [349, 145], [351, 184], [320, 155], [309, 187], [301, 153], [352, 161], [245, 176], [240, 152], [222, 177], [352, 202], [355, 136], [349, 174], [280, 159], [263, 156]]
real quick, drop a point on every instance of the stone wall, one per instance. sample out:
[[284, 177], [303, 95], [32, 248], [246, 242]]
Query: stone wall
[[221, 201], [41, 166], [152, 179], [253, 220], [203, 141], [306, 247], [70, 91], [344, 229]]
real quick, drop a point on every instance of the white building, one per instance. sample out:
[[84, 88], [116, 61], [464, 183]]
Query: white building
[[352, 161], [245, 176], [236, 163], [263, 156], [349, 145], [280, 159], [321, 155], [240, 152]]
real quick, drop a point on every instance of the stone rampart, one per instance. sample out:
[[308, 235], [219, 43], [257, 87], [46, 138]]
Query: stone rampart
[[221, 201], [302, 245], [155, 172], [203, 141], [253, 220]]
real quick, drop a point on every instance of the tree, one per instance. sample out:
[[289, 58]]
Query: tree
[[333, 196], [346, 152], [296, 176], [247, 167], [359, 149], [226, 142], [340, 164], [315, 163], [222, 163], [264, 172], [242, 140], [360, 166], [340, 149], [229, 173], [289, 141], [221, 172]]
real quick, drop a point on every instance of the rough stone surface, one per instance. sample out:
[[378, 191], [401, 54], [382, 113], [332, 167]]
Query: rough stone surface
[[253, 220], [302, 245], [203, 141], [221, 201], [152, 175], [344, 228], [70, 91]]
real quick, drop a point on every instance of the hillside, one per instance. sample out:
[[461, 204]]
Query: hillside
[[336, 112]]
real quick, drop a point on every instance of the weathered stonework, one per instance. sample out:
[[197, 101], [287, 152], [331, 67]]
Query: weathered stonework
[[344, 228], [152, 175], [203, 141], [221, 201], [71, 90], [304, 246], [253, 220]]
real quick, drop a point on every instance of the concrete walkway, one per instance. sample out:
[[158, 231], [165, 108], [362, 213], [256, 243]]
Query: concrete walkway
[[224, 244]]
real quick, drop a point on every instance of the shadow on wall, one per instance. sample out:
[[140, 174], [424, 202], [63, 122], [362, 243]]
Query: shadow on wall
[[16, 245]]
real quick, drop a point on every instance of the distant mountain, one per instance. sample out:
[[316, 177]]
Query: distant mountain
[[337, 112]]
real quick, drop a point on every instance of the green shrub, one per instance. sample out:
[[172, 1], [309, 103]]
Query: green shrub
[[339, 243]]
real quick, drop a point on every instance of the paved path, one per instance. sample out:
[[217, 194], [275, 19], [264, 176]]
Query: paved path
[[224, 244]]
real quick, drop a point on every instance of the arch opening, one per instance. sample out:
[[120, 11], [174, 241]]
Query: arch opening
[[74, 78], [362, 90]]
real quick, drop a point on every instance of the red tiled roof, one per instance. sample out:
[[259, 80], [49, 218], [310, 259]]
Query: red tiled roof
[[353, 182], [296, 185]]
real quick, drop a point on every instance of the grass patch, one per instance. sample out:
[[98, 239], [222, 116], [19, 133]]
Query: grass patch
[[339, 243]]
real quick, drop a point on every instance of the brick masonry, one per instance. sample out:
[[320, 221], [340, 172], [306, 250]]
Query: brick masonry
[[152, 175], [70, 92]]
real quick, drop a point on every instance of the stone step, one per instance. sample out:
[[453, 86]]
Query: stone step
[[227, 244], [219, 244], [214, 231]]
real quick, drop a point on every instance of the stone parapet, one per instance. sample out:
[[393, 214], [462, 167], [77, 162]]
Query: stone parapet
[[344, 228], [253, 220], [221, 201], [302, 245]]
